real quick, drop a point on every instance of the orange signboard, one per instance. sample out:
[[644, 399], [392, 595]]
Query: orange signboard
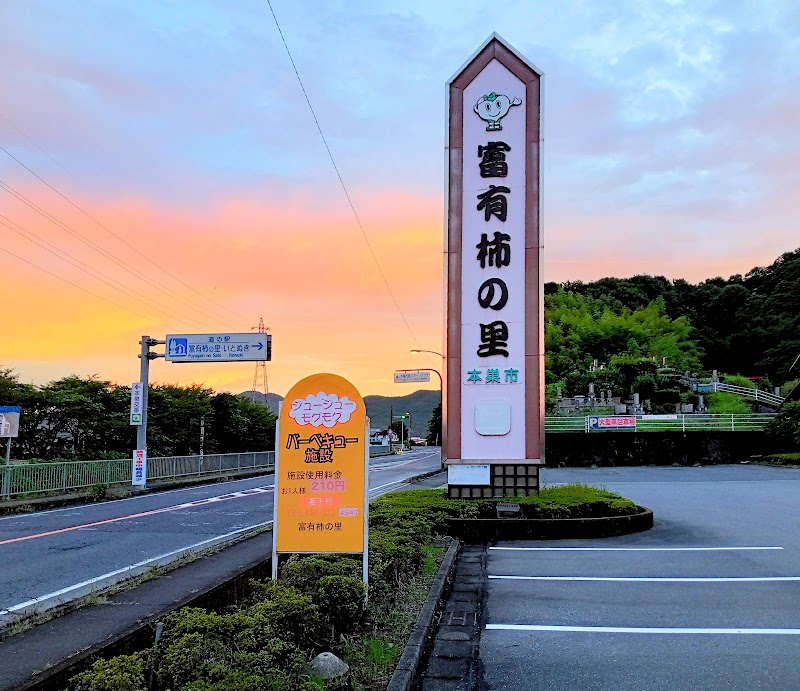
[[320, 474]]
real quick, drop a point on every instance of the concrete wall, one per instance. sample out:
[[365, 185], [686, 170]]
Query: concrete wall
[[653, 448]]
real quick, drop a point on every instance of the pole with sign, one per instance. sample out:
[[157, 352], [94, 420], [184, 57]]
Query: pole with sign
[[494, 356], [217, 347], [321, 465], [9, 428]]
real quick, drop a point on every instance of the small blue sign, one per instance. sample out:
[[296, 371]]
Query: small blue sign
[[10, 409], [178, 347]]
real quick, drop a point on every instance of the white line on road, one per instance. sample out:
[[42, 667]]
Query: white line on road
[[648, 579], [131, 567], [388, 484], [626, 629], [629, 549], [149, 495]]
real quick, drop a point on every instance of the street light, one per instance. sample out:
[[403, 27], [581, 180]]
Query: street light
[[416, 351]]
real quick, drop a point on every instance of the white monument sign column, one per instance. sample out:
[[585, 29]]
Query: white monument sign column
[[494, 356]]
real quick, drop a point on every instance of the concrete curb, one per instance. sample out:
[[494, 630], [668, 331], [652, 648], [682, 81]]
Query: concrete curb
[[405, 673], [424, 476], [483, 530]]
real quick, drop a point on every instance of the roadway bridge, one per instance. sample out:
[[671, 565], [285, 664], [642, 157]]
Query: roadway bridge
[[55, 556]]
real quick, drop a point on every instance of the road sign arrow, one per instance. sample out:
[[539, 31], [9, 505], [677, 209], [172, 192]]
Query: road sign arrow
[[261, 346]]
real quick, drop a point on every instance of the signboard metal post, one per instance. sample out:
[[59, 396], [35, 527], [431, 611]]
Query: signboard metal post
[[321, 469]]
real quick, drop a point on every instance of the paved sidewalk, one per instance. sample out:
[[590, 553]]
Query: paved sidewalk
[[453, 663]]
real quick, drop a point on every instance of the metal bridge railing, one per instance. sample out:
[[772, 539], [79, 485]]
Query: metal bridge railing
[[46, 478]]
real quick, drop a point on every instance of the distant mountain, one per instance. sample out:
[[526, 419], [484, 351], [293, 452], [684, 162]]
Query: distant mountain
[[271, 400], [420, 404]]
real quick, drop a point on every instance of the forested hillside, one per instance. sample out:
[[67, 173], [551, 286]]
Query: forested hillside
[[747, 324]]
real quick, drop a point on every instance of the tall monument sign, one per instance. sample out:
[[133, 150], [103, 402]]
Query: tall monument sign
[[494, 357]]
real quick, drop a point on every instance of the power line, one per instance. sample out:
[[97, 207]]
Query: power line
[[341, 180], [33, 143], [104, 253], [74, 285], [86, 268], [118, 237]]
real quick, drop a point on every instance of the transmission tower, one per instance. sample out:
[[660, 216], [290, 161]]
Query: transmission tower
[[260, 375]]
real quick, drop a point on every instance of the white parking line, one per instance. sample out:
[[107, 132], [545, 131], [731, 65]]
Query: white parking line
[[648, 579], [626, 629], [628, 549]]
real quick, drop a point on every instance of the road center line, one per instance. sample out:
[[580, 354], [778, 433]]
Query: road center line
[[629, 549], [188, 505], [626, 629], [647, 579]]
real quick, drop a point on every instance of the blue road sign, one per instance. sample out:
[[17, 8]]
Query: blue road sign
[[221, 347]]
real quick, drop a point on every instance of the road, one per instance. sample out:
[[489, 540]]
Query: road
[[53, 556], [707, 599]]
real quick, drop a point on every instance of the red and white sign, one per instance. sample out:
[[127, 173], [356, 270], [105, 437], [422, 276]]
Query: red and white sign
[[139, 473], [616, 422]]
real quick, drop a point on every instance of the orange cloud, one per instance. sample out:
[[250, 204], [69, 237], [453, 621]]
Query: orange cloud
[[306, 270]]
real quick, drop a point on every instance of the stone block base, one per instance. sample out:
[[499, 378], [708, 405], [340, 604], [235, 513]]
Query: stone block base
[[507, 480]]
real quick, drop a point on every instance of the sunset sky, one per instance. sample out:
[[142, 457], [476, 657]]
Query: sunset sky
[[199, 193]]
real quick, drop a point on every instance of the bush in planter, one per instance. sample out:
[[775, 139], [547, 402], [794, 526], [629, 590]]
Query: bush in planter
[[341, 598], [121, 673]]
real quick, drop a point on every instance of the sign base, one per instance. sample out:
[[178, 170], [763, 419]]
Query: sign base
[[506, 479]]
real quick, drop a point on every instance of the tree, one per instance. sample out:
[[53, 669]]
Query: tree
[[784, 428], [238, 425], [434, 437], [628, 344], [400, 428]]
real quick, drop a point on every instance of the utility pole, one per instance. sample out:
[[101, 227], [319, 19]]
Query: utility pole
[[144, 376], [202, 433]]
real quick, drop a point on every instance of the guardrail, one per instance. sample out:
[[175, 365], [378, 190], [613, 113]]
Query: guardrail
[[677, 423], [45, 478], [771, 399]]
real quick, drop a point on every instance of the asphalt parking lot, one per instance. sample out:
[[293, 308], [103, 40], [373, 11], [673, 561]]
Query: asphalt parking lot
[[707, 599]]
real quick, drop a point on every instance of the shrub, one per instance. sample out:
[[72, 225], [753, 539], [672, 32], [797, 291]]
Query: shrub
[[784, 429], [341, 598], [98, 492], [289, 614], [723, 403], [121, 673], [738, 380]]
